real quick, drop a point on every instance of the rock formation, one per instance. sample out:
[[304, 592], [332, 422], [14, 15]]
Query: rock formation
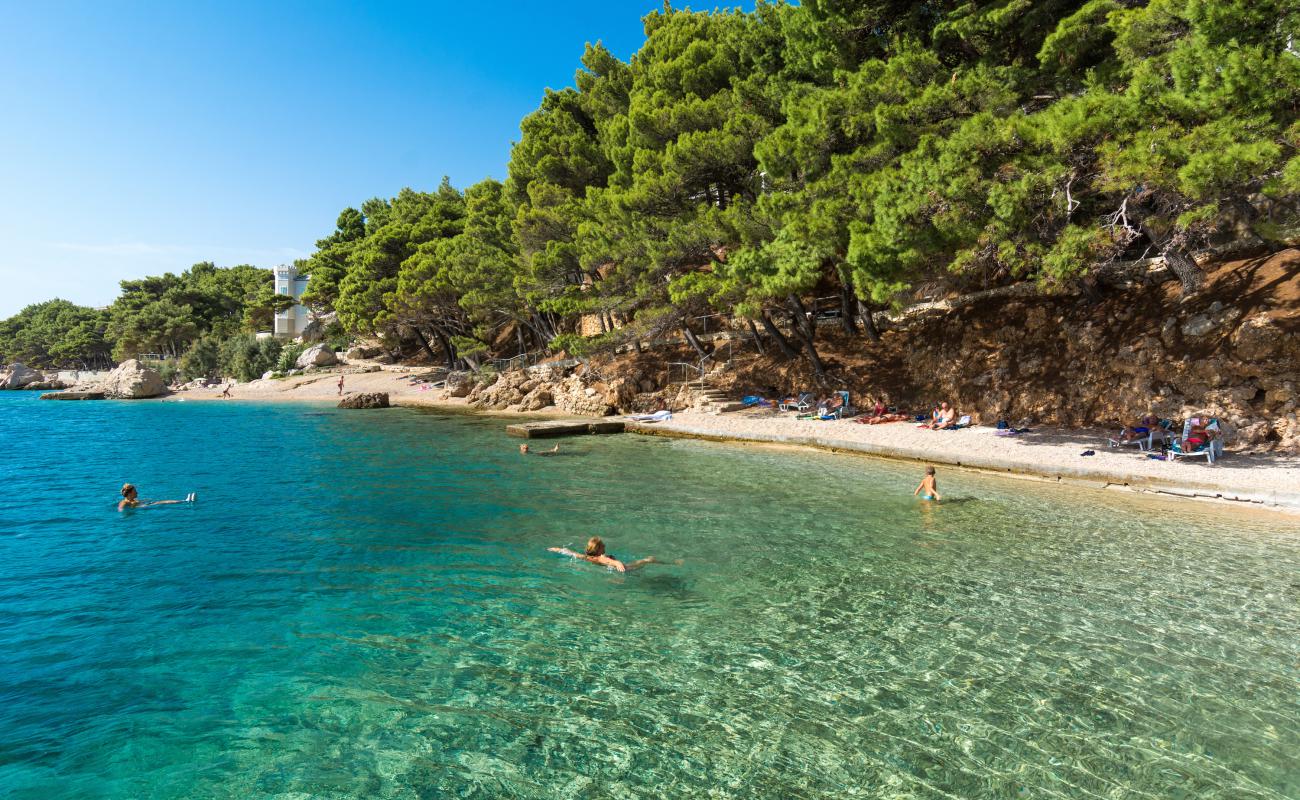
[[365, 400], [19, 376], [131, 381], [318, 355], [361, 352]]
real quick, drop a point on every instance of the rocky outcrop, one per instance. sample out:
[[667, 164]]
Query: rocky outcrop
[[19, 376], [365, 400], [360, 352], [132, 381], [459, 384], [318, 355], [315, 330], [537, 399]]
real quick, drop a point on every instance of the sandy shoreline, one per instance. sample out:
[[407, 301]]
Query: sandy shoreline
[[1051, 454]]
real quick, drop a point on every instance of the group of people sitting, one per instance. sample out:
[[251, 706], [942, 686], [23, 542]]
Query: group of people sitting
[[1198, 433], [942, 417]]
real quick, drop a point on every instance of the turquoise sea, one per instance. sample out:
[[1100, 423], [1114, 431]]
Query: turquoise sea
[[361, 605]]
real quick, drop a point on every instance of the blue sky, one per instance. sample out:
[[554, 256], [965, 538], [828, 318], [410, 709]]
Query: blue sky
[[140, 138]]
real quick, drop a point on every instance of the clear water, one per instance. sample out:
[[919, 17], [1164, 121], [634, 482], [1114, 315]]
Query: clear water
[[361, 605]]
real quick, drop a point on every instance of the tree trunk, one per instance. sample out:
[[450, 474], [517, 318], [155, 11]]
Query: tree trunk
[[789, 350], [1179, 263], [846, 312], [868, 321], [692, 340], [758, 341], [446, 347], [424, 343], [818, 367], [801, 320]]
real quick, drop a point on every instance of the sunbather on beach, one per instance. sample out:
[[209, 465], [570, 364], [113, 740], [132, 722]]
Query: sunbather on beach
[[131, 499], [945, 416], [929, 489], [523, 450], [596, 554], [1142, 429], [830, 405]]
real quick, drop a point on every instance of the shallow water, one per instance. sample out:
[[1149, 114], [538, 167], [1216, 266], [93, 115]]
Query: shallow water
[[361, 605]]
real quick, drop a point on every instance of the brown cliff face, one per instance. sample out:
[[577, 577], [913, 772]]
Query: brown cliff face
[[1232, 351]]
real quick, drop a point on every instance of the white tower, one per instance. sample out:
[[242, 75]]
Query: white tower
[[293, 320]]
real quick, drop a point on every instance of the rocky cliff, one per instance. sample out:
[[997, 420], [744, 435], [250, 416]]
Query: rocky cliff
[[1231, 350]]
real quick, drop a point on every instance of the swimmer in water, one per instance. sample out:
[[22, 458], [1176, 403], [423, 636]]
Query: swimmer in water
[[928, 489], [131, 499], [523, 451], [596, 554]]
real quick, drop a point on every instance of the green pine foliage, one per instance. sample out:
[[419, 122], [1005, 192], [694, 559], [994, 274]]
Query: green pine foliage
[[743, 162]]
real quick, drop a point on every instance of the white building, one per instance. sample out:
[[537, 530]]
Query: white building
[[293, 320]]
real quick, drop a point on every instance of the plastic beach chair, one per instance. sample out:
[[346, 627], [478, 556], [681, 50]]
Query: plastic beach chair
[[1210, 450], [802, 403], [1148, 441], [840, 410]]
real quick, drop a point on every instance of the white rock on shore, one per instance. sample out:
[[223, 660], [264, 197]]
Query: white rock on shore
[[18, 376], [133, 380], [318, 355]]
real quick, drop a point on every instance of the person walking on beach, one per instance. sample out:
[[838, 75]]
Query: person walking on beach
[[225, 395], [929, 490], [131, 499], [340, 385], [596, 554]]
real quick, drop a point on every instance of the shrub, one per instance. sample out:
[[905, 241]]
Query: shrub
[[246, 357], [202, 360], [289, 356]]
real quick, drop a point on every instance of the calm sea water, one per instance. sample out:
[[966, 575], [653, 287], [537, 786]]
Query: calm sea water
[[361, 605]]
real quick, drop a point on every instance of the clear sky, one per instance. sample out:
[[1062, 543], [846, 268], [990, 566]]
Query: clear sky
[[139, 138]]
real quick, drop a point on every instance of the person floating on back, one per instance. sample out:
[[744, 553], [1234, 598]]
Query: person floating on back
[[131, 499], [524, 450], [929, 489], [596, 554]]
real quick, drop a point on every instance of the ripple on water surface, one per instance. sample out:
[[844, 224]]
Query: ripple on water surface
[[360, 605]]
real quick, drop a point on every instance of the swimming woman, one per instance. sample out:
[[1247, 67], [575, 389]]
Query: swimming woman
[[928, 489], [596, 554], [131, 499]]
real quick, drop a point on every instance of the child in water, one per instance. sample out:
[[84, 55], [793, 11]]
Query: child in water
[[928, 489], [596, 554]]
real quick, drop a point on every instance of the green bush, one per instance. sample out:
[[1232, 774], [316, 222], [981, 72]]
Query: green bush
[[336, 337], [289, 356], [167, 368], [246, 357], [202, 360]]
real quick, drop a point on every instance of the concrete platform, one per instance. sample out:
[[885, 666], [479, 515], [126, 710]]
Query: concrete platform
[[565, 427], [73, 396]]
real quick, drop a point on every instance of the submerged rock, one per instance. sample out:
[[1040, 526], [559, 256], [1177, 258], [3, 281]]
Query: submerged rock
[[365, 400], [133, 381]]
